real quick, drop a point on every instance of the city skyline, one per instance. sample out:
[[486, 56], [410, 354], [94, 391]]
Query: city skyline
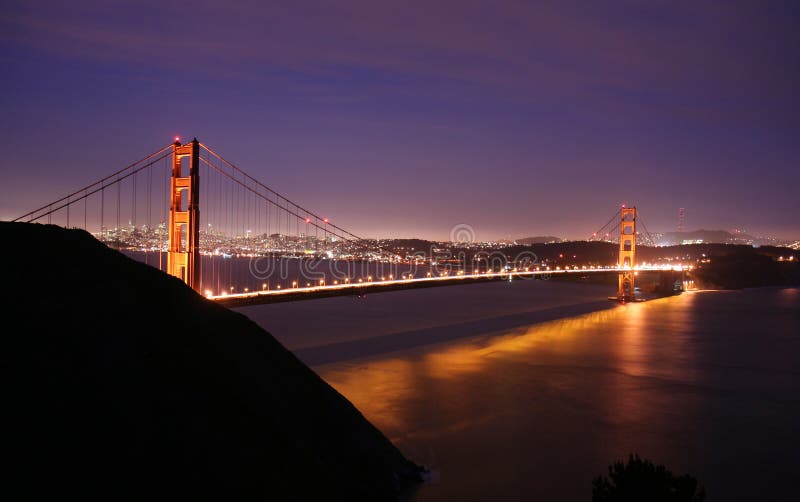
[[405, 122]]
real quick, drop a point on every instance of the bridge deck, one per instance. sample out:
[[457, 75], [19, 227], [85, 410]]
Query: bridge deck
[[362, 288]]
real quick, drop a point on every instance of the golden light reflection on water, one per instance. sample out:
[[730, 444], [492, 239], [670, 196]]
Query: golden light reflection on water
[[382, 388], [546, 404], [631, 329], [788, 297], [619, 338], [552, 337], [638, 331], [377, 388]]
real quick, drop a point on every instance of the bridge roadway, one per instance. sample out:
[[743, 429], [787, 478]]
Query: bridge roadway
[[362, 288]]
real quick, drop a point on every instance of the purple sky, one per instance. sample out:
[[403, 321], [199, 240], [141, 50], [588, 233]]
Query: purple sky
[[407, 118]]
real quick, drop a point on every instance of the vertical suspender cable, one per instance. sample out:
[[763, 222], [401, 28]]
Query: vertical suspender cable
[[102, 212], [118, 201]]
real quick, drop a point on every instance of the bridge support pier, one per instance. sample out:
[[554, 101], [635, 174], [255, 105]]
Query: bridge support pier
[[627, 254], [183, 255]]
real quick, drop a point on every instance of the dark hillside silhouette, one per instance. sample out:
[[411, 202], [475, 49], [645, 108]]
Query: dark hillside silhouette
[[124, 384]]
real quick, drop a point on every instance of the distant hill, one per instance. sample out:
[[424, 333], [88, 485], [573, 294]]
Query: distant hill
[[541, 239], [705, 236], [739, 270], [122, 383], [606, 253], [405, 247]]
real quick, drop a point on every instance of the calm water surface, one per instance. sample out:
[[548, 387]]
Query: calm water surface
[[505, 406]]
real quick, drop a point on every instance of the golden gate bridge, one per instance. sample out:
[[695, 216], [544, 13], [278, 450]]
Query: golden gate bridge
[[187, 228]]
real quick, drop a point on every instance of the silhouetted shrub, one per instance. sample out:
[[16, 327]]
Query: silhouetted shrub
[[641, 480]]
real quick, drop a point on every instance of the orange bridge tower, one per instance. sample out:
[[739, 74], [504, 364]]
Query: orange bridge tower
[[183, 256], [627, 253]]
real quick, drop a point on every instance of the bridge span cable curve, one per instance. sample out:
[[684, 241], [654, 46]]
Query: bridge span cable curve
[[287, 209], [647, 232], [87, 187], [277, 194], [86, 193], [599, 232], [342, 233]]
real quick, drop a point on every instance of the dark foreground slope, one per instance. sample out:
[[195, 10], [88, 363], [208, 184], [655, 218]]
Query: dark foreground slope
[[126, 384]]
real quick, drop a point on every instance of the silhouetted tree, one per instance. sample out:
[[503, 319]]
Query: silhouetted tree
[[641, 480]]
